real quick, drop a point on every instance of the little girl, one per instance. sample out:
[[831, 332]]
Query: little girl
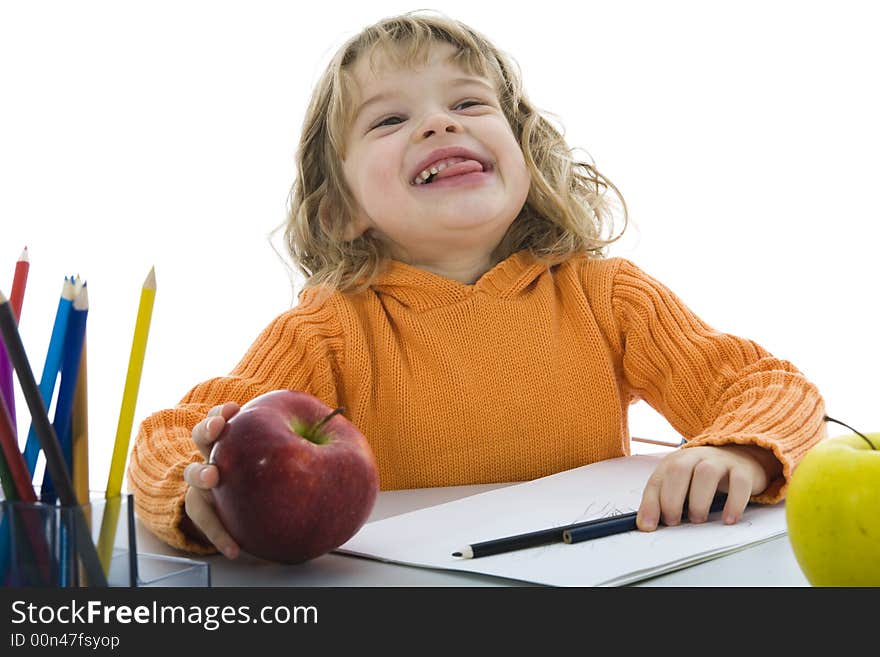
[[459, 304]]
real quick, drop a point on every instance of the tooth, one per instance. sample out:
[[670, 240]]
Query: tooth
[[437, 168]]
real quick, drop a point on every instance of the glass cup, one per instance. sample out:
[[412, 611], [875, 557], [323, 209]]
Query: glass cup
[[38, 547]]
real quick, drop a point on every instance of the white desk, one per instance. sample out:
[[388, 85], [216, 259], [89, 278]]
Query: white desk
[[768, 564]]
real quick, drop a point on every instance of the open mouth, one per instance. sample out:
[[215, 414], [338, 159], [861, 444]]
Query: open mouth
[[471, 178], [451, 166]]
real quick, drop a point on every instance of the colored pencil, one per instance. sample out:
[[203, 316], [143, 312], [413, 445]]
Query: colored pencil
[[132, 382], [22, 488], [132, 543], [7, 390], [79, 430], [107, 532], [625, 522], [18, 488], [70, 362], [9, 493], [611, 525], [19, 281], [6, 477], [49, 442], [49, 376]]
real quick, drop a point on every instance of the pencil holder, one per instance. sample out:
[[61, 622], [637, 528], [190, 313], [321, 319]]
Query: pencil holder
[[38, 548], [158, 570], [115, 535], [37, 544]]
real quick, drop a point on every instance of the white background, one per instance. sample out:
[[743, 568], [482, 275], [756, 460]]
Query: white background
[[744, 137]]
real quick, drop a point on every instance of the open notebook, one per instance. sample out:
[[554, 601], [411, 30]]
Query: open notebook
[[428, 537]]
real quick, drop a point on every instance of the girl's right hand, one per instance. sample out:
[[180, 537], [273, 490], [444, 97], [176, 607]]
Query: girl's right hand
[[202, 477]]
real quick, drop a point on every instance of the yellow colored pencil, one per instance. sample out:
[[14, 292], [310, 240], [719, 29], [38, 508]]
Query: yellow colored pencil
[[107, 533], [132, 382]]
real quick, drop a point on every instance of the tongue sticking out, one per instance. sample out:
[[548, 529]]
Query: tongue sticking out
[[468, 166]]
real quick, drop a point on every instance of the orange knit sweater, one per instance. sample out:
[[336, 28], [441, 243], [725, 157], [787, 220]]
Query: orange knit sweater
[[527, 372]]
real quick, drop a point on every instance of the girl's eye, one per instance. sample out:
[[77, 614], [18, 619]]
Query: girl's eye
[[379, 125], [385, 121]]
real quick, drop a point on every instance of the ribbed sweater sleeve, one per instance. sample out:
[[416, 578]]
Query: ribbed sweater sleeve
[[299, 350], [712, 387]]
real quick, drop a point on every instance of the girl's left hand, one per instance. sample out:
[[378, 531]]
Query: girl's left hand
[[695, 474]]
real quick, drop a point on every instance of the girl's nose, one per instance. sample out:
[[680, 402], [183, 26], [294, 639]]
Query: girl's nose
[[438, 122]]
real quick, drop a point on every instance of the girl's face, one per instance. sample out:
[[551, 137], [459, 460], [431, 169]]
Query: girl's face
[[424, 110]]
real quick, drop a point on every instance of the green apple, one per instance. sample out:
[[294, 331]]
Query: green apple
[[833, 512]]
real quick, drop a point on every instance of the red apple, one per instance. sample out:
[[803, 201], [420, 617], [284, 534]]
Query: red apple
[[297, 479]]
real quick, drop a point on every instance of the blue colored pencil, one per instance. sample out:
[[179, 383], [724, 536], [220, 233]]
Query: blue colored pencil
[[70, 363], [50, 368], [73, 342]]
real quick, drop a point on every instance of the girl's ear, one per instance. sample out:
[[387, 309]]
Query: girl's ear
[[354, 228], [357, 226]]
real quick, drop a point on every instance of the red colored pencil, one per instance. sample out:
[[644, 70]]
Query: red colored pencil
[[19, 282], [39, 549], [21, 476]]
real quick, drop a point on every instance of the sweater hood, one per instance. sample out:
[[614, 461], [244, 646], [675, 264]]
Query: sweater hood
[[423, 290]]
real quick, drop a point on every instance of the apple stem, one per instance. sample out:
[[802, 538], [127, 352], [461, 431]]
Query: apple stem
[[831, 419], [320, 424]]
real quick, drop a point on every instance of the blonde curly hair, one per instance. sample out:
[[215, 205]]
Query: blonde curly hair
[[566, 211]]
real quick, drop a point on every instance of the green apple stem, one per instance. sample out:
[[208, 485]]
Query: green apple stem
[[831, 419], [320, 424]]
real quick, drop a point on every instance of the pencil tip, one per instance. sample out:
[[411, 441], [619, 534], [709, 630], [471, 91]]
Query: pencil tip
[[24, 255], [456, 554], [150, 281], [81, 301]]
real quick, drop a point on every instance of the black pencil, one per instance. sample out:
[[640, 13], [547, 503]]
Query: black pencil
[[580, 530], [49, 442], [132, 542], [625, 522]]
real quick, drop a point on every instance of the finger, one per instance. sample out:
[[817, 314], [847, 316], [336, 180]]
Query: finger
[[201, 476], [228, 409], [675, 488], [704, 484], [200, 434], [207, 431], [649, 509], [224, 412], [201, 512], [738, 494]]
